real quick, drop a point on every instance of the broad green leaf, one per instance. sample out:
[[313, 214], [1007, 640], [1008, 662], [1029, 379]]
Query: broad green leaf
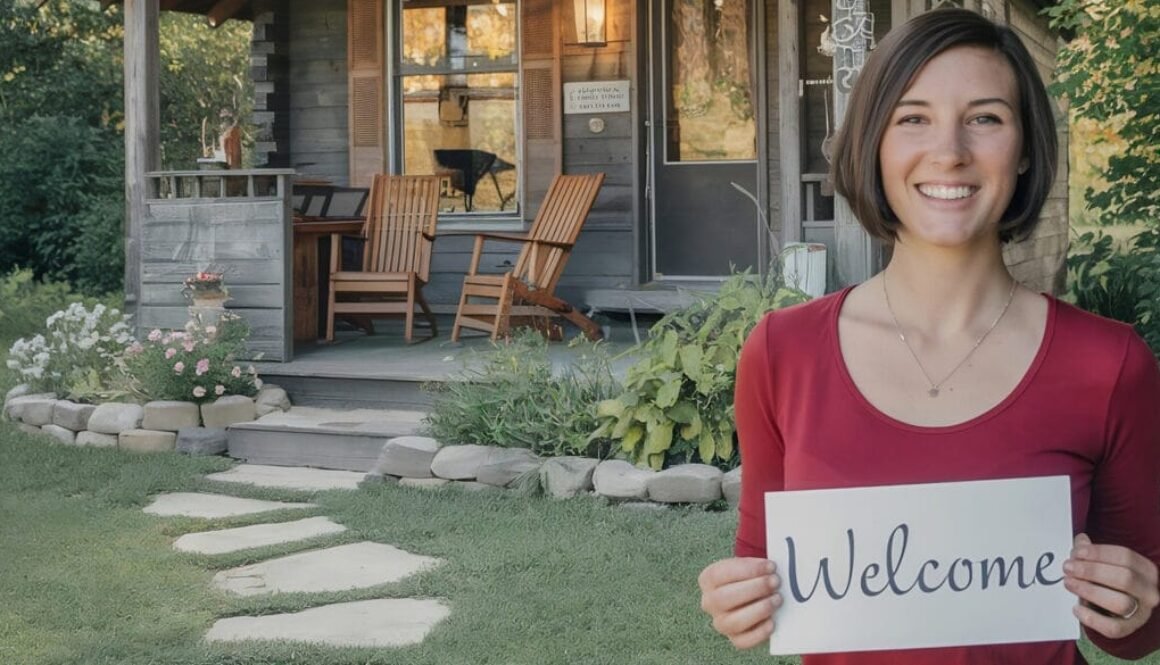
[[691, 361], [725, 446], [631, 438], [659, 438], [668, 394], [682, 412], [669, 348], [656, 461], [706, 447], [610, 408], [622, 426], [692, 430]]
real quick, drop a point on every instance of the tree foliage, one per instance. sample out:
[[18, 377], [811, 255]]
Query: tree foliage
[[62, 127], [1108, 74]]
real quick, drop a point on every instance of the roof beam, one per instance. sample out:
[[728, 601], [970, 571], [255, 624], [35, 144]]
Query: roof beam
[[222, 11]]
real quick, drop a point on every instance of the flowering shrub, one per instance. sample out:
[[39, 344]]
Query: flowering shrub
[[192, 365], [77, 357]]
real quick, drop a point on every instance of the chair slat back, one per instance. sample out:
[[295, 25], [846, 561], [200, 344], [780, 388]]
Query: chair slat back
[[400, 210], [559, 219]]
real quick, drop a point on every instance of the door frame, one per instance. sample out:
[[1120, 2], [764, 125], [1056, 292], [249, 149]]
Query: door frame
[[651, 69]]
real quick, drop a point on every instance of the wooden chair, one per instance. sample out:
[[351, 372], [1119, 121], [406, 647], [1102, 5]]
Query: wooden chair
[[397, 235], [525, 295]]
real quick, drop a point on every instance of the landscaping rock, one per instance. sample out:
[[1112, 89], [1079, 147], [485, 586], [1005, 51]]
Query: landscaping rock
[[731, 486], [12, 404], [565, 477], [423, 483], [113, 418], [18, 391], [29, 429], [96, 439], [271, 398], [407, 457], [71, 415], [228, 410], [203, 441], [169, 416], [618, 479], [33, 409], [59, 433], [147, 441], [687, 483], [506, 465], [460, 462]]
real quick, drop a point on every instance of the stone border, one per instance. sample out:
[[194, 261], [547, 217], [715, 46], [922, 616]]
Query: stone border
[[419, 461], [161, 426]]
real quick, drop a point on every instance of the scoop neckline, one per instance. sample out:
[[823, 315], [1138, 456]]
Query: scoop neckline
[[1019, 389]]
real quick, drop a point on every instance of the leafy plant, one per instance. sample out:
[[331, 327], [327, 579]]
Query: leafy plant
[[1122, 285], [77, 357], [513, 397], [192, 365], [25, 303], [677, 403]]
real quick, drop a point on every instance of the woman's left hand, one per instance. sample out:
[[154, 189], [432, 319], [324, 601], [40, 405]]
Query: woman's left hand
[[1114, 579]]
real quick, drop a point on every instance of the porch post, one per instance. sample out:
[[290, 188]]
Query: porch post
[[852, 30], [142, 139]]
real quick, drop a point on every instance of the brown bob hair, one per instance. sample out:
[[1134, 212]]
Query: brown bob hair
[[889, 71]]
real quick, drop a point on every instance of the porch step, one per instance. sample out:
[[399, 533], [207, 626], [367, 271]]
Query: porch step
[[308, 386], [347, 440]]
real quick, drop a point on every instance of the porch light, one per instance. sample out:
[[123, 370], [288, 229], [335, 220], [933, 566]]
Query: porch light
[[590, 22]]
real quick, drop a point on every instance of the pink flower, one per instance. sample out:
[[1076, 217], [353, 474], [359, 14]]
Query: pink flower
[[179, 367], [169, 353], [188, 345], [236, 372], [202, 366], [134, 348], [198, 391], [219, 390], [154, 335]]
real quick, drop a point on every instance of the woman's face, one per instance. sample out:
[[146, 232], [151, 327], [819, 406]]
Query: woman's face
[[952, 149]]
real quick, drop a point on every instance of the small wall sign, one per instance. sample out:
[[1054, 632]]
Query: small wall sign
[[597, 97], [912, 566]]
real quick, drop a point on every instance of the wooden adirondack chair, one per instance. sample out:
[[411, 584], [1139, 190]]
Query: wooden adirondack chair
[[398, 234], [526, 294]]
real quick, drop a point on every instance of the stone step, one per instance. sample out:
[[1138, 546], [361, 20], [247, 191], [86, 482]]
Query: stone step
[[211, 506], [225, 541], [364, 623], [289, 477], [348, 440], [353, 566]]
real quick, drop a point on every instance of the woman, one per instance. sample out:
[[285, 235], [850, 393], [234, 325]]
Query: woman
[[943, 368]]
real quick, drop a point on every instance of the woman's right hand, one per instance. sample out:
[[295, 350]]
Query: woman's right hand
[[741, 595]]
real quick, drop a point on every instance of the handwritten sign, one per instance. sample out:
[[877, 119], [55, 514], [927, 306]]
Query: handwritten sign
[[914, 566], [596, 97]]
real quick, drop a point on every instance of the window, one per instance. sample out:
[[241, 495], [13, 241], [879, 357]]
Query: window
[[457, 80]]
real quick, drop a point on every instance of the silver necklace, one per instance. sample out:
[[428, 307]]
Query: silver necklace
[[935, 387]]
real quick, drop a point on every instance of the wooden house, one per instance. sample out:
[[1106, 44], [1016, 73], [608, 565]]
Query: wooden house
[[683, 104]]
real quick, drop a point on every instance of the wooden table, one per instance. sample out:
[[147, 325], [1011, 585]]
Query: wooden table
[[312, 271]]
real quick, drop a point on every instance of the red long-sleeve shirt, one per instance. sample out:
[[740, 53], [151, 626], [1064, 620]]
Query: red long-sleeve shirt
[[1088, 408]]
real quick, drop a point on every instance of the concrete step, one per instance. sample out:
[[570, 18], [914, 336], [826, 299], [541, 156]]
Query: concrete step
[[347, 440], [289, 477]]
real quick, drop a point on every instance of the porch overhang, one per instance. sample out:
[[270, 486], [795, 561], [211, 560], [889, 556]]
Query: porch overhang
[[215, 11]]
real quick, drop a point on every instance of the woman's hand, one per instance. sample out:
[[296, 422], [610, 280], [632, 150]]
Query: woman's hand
[[741, 596], [1114, 579]]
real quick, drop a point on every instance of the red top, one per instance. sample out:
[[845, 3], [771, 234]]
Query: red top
[[1088, 408]]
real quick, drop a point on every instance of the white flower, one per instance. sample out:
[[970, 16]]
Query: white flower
[[198, 391], [219, 390], [258, 384]]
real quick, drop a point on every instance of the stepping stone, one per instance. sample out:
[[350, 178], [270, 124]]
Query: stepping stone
[[192, 504], [391, 622], [289, 477], [258, 535], [354, 566]]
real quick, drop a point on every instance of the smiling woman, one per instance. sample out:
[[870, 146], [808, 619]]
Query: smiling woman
[[943, 367]]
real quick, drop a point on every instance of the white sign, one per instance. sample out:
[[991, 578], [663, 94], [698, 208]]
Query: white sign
[[914, 566], [596, 97]]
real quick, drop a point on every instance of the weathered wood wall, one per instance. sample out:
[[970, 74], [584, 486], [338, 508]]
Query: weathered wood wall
[[319, 141], [247, 236]]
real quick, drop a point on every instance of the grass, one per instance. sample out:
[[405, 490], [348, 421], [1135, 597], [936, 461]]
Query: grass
[[86, 578]]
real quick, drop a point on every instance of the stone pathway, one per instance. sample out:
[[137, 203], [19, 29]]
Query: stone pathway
[[367, 623]]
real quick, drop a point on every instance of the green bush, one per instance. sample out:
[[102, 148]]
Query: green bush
[[25, 303], [511, 397], [1122, 285], [192, 365], [677, 404]]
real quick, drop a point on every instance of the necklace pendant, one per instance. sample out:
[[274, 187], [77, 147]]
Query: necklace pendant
[[933, 392]]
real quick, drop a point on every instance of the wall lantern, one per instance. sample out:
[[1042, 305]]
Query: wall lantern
[[590, 25]]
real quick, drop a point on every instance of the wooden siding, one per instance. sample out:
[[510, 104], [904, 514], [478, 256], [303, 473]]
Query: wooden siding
[[318, 90], [248, 237], [1039, 261]]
